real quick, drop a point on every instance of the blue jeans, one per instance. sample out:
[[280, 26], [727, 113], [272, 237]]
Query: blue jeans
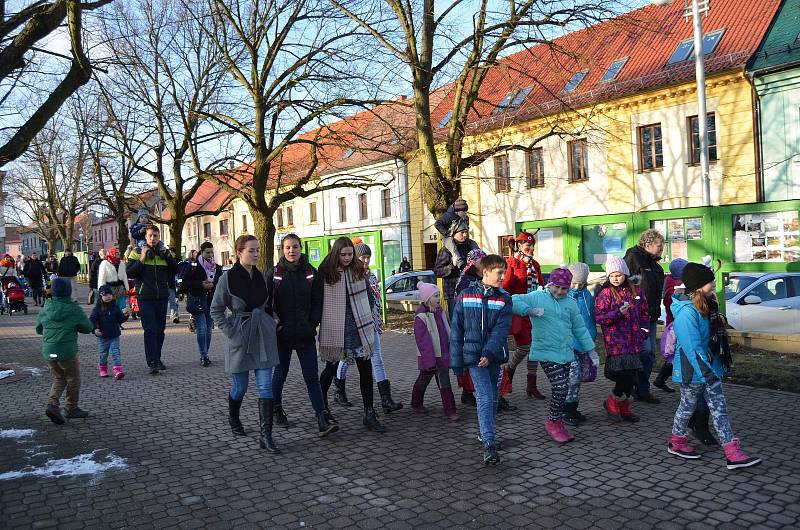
[[153, 315], [378, 370], [308, 364], [486, 396], [173, 303], [202, 324], [263, 382], [106, 346], [648, 358]]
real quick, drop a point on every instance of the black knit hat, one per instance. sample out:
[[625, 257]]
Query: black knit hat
[[696, 276]]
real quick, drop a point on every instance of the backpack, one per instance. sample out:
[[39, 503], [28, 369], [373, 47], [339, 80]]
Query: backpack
[[668, 343]]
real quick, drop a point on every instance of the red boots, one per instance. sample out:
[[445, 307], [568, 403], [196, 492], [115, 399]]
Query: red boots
[[531, 389]]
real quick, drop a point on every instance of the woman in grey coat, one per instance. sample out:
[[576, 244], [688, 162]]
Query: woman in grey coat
[[252, 342]]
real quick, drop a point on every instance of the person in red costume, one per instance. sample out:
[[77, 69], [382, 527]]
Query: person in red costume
[[524, 276]]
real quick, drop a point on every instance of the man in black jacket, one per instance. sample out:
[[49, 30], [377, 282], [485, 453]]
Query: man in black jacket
[[69, 267], [36, 275], [93, 270], [642, 260]]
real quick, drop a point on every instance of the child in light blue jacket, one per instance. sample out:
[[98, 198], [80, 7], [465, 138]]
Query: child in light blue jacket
[[555, 319], [585, 300]]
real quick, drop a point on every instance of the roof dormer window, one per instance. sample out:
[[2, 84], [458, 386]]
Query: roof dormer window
[[685, 49], [444, 121], [575, 81], [613, 70], [513, 100], [347, 154]]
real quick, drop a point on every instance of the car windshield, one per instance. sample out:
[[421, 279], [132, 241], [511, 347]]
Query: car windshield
[[737, 284]]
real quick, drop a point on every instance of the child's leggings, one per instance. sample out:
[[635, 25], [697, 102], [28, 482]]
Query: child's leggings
[[558, 374], [575, 374], [378, 371], [716, 405]]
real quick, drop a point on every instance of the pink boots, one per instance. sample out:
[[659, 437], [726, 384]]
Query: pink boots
[[103, 370], [735, 456], [678, 446], [118, 373], [558, 431]]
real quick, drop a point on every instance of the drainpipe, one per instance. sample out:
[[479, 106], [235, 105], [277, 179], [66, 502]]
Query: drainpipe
[[758, 145], [403, 173]]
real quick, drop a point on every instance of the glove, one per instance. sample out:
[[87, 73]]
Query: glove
[[535, 312], [594, 358]]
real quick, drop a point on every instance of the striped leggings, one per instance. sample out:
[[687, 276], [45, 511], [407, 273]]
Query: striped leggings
[[558, 375]]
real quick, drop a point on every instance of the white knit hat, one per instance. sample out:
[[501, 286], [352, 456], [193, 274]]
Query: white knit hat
[[616, 264], [580, 272]]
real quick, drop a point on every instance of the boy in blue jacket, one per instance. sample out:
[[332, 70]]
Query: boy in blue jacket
[[479, 328], [106, 319]]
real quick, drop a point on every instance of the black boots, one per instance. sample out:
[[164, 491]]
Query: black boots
[[265, 411], [340, 394], [661, 379], [571, 414], [468, 398], [325, 426], [371, 420], [699, 425], [388, 404], [280, 417], [504, 406], [234, 407]]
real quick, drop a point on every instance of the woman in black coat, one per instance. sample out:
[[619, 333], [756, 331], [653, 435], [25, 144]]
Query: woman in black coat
[[199, 280], [35, 273], [295, 290]]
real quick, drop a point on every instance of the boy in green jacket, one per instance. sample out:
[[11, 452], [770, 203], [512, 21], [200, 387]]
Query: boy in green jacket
[[59, 323]]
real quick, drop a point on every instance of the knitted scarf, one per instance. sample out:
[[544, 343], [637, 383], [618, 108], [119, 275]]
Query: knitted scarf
[[209, 266], [331, 329], [531, 271]]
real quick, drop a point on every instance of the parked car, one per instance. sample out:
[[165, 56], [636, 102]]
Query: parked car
[[767, 303], [401, 289]]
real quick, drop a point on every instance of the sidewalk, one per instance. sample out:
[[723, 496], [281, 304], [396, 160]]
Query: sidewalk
[[170, 460]]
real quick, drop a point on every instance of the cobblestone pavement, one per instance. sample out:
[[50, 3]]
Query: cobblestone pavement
[[185, 469]]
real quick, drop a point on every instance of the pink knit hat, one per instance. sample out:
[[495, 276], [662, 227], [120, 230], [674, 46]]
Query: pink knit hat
[[617, 264], [427, 290], [561, 277]]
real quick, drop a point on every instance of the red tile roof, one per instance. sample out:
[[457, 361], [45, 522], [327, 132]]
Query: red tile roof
[[647, 37]]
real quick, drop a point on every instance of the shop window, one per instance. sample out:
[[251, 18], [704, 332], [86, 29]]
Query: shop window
[[535, 168], [603, 240], [694, 138], [766, 237], [677, 233], [651, 155], [502, 174], [578, 160], [504, 245]]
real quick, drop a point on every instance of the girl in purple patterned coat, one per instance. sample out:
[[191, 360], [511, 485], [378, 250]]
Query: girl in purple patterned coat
[[432, 334], [621, 311]]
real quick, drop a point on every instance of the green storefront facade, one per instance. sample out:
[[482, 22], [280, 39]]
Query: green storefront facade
[[758, 237]]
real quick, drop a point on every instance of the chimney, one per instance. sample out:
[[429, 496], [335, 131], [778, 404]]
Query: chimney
[[231, 164], [402, 97]]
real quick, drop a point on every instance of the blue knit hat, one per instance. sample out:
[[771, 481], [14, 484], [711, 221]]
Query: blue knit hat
[[105, 289], [676, 267], [61, 288]]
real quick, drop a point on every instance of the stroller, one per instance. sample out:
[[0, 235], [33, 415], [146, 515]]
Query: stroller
[[12, 296]]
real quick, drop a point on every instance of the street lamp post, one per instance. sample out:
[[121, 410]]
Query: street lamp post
[[700, 76]]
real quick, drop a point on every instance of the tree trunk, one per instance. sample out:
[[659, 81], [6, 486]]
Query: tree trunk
[[123, 235], [51, 245], [264, 230], [176, 223]]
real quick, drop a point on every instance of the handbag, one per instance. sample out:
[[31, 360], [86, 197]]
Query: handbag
[[588, 369], [196, 305]]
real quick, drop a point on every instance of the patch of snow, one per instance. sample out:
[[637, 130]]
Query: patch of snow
[[16, 433], [84, 464]]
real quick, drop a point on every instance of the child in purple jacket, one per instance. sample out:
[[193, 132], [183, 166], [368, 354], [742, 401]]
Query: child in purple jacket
[[432, 334]]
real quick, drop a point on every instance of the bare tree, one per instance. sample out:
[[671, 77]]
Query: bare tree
[[25, 64], [296, 65], [164, 79], [424, 36]]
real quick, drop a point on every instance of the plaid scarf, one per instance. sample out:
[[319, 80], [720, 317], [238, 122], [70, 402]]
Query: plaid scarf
[[531, 271], [331, 329]]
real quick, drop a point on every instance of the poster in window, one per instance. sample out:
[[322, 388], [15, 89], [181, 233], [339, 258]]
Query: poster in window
[[694, 228], [675, 230], [766, 237], [314, 254], [544, 245]]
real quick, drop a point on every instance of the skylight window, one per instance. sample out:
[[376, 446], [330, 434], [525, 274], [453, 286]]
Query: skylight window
[[513, 100], [347, 154], [685, 49], [575, 81], [614, 69], [444, 121]]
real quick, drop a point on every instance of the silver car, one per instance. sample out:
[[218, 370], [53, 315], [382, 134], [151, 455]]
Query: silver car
[[768, 303], [401, 289]]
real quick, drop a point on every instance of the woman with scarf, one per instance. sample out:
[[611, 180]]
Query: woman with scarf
[[112, 272], [350, 334], [199, 279], [238, 310]]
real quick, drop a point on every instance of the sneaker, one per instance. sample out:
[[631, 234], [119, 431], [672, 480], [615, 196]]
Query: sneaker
[[205, 362], [497, 442], [160, 365], [678, 446], [490, 456], [76, 413], [118, 373], [54, 413]]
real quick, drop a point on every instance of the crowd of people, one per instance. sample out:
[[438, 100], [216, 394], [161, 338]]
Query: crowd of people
[[493, 313]]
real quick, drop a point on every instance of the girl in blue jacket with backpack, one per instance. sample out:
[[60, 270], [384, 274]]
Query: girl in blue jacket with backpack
[[697, 371]]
